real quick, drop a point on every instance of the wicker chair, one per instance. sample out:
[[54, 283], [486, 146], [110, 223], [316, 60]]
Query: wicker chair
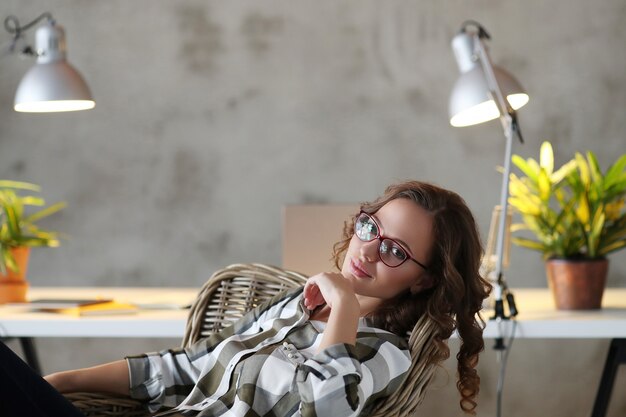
[[226, 296], [231, 292]]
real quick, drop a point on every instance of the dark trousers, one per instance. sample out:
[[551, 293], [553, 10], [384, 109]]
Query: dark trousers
[[24, 393]]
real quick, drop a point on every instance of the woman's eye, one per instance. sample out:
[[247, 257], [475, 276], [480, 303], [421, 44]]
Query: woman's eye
[[398, 253]]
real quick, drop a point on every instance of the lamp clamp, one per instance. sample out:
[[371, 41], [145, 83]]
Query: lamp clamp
[[515, 126], [12, 25], [482, 32]]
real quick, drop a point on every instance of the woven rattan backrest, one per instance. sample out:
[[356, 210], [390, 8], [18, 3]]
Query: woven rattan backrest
[[231, 292], [405, 401], [238, 288]]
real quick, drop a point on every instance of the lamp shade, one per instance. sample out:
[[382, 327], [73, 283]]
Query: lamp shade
[[52, 85], [471, 102]]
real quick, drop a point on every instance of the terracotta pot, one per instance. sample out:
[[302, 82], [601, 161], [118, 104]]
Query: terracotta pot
[[13, 291], [13, 285], [577, 284]]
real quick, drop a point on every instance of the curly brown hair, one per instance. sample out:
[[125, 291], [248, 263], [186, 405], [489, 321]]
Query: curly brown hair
[[455, 299]]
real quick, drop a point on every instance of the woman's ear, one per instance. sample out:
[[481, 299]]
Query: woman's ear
[[423, 282]]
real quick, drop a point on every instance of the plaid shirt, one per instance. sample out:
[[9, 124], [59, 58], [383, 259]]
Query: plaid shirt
[[265, 365]]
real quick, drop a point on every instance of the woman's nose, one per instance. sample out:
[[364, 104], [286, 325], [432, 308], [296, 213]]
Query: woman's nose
[[369, 250]]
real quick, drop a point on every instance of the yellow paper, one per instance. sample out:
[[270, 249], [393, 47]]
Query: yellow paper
[[99, 309]]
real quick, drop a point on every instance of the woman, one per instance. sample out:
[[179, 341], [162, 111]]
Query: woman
[[336, 346]]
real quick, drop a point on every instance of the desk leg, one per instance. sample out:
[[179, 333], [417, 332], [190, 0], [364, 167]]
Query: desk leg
[[615, 357], [28, 347]]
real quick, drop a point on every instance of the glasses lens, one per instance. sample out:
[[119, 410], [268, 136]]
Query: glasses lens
[[365, 228], [392, 253]]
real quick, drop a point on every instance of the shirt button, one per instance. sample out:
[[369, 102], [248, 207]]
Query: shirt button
[[291, 356], [285, 344]]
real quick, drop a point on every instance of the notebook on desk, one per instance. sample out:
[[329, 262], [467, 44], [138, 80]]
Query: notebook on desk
[[96, 309], [309, 233], [54, 303]]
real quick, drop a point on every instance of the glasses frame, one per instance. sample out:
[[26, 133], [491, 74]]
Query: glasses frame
[[380, 238]]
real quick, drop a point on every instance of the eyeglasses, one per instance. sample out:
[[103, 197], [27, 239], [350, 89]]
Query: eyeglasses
[[391, 253]]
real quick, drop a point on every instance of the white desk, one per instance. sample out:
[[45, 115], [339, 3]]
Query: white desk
[[166, 322], [537, 318]]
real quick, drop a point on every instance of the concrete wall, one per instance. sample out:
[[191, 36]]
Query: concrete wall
[[212, 115]]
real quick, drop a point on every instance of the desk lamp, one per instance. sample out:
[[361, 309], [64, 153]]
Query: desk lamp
[[482, 93], [52, 85]]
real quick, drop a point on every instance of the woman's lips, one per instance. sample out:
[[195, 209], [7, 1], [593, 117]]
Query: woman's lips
[[358, 270]]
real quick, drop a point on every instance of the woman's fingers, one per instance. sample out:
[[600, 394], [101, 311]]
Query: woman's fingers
[[326, 288], [312, 295]]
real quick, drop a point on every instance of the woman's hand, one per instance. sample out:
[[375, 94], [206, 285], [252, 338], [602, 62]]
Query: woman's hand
[[338, 293], [328, 287]]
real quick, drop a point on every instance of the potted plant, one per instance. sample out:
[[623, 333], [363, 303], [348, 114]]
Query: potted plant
[[18, 233], [577, 216]]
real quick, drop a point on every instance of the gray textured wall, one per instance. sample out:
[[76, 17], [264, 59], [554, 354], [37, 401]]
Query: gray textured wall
[[212, 115]]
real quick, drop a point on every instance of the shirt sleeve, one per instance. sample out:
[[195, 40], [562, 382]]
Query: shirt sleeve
[[161, 379], [343, 380], [164, 379]]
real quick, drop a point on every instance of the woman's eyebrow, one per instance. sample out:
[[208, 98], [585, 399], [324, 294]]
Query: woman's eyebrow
[[406, 246]]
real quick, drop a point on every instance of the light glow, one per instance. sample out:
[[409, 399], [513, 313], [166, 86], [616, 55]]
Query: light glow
[[54, 106], [486, 111]]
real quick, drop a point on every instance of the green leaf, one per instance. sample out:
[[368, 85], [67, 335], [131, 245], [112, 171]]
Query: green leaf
[[32, 241], [526, 167], [516, 227], [563, 172], [533, 165], [582, 211], [575, 182], [567, 210], [32, 201], [594, 168], [525, 206], [517, 188], [617, 188], [620, 244], [529, 244], [612, 233], [615, 171], [9, 261], [543, 183], [12, 220], [583, 169], [19, 185], [45, 212], [606, 241], [593, 240]]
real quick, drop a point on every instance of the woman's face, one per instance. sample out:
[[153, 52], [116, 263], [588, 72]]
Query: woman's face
[[411, 226]]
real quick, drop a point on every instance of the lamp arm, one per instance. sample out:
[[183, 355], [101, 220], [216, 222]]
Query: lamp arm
[[508, 119], [504, 108], [496, 91], [504, 205]]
